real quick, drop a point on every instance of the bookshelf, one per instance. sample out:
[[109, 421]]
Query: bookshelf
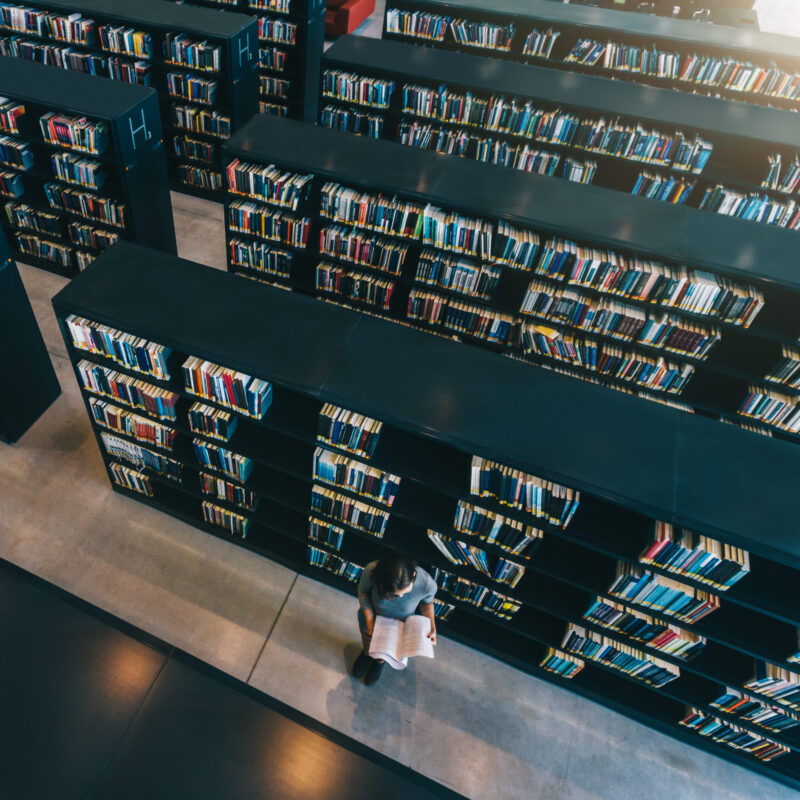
[[27, 376], [536, 208], [64, 199], [636, 139], [201, 62], [291, 34], [546, 33], [631, 461]]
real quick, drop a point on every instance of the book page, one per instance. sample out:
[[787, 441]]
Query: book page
[[415, 637], [386, 638]]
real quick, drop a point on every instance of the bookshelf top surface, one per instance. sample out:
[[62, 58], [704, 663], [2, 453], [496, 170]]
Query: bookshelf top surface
[[160, 13], [599, 216], [689, 32], [67, 90], [587, 92], [651, 458]]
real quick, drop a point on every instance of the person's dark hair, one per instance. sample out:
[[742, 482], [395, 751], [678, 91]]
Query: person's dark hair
[[393, 573]]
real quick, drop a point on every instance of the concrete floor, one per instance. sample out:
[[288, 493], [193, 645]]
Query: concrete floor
[[474, 724]]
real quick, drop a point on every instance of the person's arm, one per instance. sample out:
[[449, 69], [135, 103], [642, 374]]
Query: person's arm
[[426, 609], [364, 601]]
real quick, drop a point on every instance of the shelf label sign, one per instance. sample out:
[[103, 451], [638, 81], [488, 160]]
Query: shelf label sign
[[142, 130], [244, 49]]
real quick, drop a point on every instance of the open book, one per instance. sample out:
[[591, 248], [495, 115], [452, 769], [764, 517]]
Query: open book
[[395, 641]]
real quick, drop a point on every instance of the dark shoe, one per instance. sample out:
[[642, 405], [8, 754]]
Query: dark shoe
[[374, 672], [360, 665]]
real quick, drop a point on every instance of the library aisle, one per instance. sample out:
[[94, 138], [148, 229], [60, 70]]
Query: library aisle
[[465, 720]]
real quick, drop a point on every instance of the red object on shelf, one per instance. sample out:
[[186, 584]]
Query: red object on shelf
[[344, 16]]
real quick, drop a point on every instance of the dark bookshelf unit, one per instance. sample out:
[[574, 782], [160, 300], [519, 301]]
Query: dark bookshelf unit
[[28, 380], [717, 49], [123, 192], [291, 35], [533, 118], [442, 404], [200, 104], [591, 217]]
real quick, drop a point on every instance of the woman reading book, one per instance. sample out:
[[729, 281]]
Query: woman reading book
[[393, 587]]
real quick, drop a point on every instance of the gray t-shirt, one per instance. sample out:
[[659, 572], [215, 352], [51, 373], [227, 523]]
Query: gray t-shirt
[[423, 591]]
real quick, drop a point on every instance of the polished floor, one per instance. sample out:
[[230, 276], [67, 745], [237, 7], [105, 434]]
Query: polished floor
[[93, 708], [464, 720]]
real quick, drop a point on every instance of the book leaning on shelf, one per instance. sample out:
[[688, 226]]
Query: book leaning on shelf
[[268, 183], [215, 486], [226, 461], [133, 392], [338, 566], [126, 422], [133, 480], [243, 393], [348, 430], [511, 535], [141, 457], [618, 656], [787, 370], [739, 705], [651, 632], [131, 352], [212, 422], [474, 594], [663, 595], [727, 733], [347, 473], [776, 683], [562, 663], [465, 555], [779, 410], [696, 556], [354, 513], [516, 489]]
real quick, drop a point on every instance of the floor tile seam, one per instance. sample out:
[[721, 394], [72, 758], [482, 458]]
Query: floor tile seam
[[272, 628], [134, 717]]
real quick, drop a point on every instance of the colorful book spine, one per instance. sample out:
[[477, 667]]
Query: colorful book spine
[[126, 41], [225, 490], [443, 611], [466, 555], [781, 411], [11, 112], [201, 120], [474, 594], [325, 533], [226, 461], [277, 30], [417, 24], [787, 370], [85, 204], [539, 44], [22, 215], [179, 49], [345, 119], [483, 35], [354, 513], [516, 489], [33, 245], [200, 177], [15, 154], [133, 480], [131, 352], [561, 663], [338, 566], [358, 89], [197, 150], [268, 183], [262, 257], [274, 226], [236, 390], [76, 133], [357, 286], [508, 534], [212, 422], [348, 430], [187, 86], [347, 473], [126, 422], [776, 683], [739, 705], [141, 457], [460, 317], [752, 206], [72, 29], [237, 524]]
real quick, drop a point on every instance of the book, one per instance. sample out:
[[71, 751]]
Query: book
[[342, 508], [223, 518], [739, 705], [227, 387], [508, 534], [752, 206], [495, 603], [462, 554], [561, 663], [734, 736], [354, 88], [348, 430], [773, 408], [332, 563], [395, 641], [787, 370], [347, 473]]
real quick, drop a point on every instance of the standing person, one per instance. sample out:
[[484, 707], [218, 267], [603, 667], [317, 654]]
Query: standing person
[[395, 587]]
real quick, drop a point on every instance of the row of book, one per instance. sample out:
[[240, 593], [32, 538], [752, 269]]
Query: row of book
[[252, 219], [131, 479], [334, 564], [234, 523], [778, 410], [500, 605], [561, 663], [787, 370], [201, 120], [353, 88], [486, 35], [11, 184], [129, 351], [776, 683], [86, 204], [467, 555], [462, 318], [610, 360], [203, 178], [345, 119], [15, 154], [24, 216], [211, 422], [524, 492], [141, 457], [752, 206], [88, 236], [232, 464], [188, 86], [178, 48], [739, 705], [128, 390], [270, 86], [673, 189], [243, 393], [348, 430], [126, 422], [354, 513], [776, 182], [71, 28], [261, 257], [508, 534], [11, 112], [272, 58], [347, 473], [354, 246], [78, 169], [457, 275], [276, 30], [188, 147], [225, 490], [75, 132], [126, 41], [721, 72], [34, 245], [618, 320], [268, 183], [512, 115], [325, 533], [354, 285], [734, 736], [648, 630]]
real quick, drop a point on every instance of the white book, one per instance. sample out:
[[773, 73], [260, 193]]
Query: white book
[[395, 640]]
